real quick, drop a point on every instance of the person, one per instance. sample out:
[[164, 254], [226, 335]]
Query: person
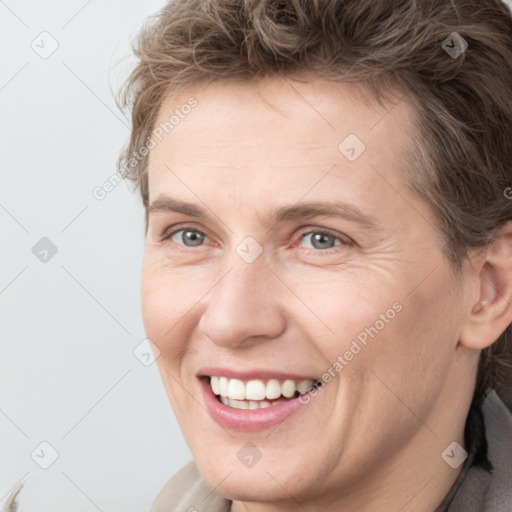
[[327, 277]]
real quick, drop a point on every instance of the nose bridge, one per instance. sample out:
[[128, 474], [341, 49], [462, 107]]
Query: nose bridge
[[244, 303], [237, 284]]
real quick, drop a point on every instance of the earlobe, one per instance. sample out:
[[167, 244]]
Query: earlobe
[[491, 313]]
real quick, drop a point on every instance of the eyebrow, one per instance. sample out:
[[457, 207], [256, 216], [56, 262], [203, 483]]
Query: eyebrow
[[168, 204], [300, 211], [323, 209]]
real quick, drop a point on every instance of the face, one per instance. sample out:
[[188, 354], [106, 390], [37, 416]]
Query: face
[[284, 244]]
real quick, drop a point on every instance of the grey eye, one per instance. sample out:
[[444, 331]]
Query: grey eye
[[319, 240], [188, 237]]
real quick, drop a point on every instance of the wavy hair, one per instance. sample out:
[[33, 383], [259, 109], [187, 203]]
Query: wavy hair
[[462, 157]]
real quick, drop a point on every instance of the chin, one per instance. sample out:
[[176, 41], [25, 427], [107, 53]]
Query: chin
[[267, 480]]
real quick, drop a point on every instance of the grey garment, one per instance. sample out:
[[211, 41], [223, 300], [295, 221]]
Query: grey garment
[[484, 484]]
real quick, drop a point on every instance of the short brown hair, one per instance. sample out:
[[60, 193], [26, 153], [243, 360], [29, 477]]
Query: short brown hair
[[462, 158]]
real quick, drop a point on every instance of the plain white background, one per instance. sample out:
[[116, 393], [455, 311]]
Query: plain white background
[[70, 324]]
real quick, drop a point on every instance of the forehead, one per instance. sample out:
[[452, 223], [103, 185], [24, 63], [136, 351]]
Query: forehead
[[277, 130]]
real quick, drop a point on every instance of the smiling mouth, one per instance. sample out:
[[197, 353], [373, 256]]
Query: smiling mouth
[[257, 394]]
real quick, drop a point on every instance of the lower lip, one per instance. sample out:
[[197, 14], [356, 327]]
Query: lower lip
[[246, 419]]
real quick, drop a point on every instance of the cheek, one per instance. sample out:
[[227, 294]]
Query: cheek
[[414, 351], [338, 309], [171, 302], [374, 323]]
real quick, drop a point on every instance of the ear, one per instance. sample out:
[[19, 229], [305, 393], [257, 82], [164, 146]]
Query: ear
[[491, 312]]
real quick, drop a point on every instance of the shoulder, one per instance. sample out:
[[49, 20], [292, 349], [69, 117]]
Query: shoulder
[[498, 429], [187, 491], [11, 505], [486, 486]]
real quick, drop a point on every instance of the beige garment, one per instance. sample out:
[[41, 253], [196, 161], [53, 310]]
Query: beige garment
[[186, 491]]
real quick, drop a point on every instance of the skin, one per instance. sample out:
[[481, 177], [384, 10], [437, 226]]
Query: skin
[[372, 439]]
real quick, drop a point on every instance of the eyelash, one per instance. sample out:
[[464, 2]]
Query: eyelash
[[344, 240]]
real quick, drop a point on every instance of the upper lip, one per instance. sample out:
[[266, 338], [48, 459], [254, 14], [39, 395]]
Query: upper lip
[[252, 374]]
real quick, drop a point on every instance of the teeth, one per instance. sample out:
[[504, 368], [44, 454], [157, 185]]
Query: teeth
[[288, 388], [303, 386], [252, 394], [236, 389], [223, 386], [214, 383], [273, 389], [238, 404], [255, 390]]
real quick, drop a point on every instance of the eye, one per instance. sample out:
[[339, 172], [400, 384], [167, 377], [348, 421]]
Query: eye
[[321, 240], [187, 237]]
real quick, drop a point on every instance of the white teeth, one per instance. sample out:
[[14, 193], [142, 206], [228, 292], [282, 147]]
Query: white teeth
[[288, 388], [273, 389], [254, 394], [214, 383], [223, 386], [236, 389], [238, 404], [255, 390]]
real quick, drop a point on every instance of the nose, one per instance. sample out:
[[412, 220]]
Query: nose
[[244, 305]]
